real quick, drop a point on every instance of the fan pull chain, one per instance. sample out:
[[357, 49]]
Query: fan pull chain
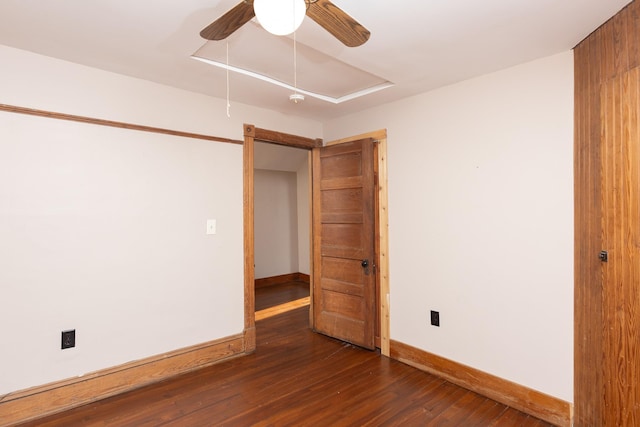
[[295, 54], [228, 101], [295, 97], [295, 64]]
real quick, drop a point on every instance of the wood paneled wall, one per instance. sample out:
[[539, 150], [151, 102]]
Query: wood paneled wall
[[607, 217]]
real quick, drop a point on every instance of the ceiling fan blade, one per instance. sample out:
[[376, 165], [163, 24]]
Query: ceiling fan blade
[[338, 23], [224, 26]]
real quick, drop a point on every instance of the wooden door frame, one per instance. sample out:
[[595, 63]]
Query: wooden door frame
[[253, 134]]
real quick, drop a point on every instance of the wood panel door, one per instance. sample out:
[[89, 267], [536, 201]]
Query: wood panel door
[[344, 242], [607, 218], [620, 156]]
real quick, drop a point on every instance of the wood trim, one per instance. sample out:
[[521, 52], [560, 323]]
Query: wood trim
[[249, 231], [376, 135], [532, 402], [252, 134], [383, 255], [282, 308], [280, 138], [283, 278], [310, 190], [302, 277], [378, 301], [37, 402], [111, 123], [316, 240], [380, 136]]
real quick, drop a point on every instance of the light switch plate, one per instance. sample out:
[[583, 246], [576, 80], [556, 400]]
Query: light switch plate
[[211, 226]]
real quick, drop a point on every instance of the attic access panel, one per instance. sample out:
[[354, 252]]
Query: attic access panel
[[318, 75]]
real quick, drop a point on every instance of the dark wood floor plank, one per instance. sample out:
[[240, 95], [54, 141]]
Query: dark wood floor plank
[[280, 391], [511, 417], [340, 399], [483, 415], [269, 296], [297, 378], [411, 395], [434, 404], [457, 414], [535, 422]]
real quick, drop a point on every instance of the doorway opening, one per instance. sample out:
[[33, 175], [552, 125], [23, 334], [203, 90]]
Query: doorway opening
[[282, 218], [253, 135]]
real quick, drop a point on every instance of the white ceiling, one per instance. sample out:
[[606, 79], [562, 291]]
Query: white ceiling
[[417, 44]]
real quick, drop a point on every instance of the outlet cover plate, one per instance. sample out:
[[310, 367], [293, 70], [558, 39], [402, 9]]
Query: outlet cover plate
[[211, 226], [68, 339], [435, 318]]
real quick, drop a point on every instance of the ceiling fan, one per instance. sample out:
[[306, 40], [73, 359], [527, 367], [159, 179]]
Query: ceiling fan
[[326, 14]]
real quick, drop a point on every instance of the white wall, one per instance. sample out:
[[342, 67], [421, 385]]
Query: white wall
[[481, 220], [276, 223], [102, 229], [481, 209], [271, 157]]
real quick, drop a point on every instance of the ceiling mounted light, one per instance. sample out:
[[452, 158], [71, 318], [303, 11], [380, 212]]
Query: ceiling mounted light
[[280, 17], [296, 97]]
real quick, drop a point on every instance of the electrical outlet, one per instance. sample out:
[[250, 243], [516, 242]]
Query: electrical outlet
[[68, 339], [435, 318]]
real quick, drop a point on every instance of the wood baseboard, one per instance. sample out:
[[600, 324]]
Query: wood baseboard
[[48, 399], [283, 278], [532, 402]]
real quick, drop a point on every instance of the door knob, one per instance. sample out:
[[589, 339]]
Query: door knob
[[365, 265], [604, 256]]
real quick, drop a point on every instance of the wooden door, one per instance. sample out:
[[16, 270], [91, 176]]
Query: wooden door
[[344, 242], [620, 186], [607, 219]]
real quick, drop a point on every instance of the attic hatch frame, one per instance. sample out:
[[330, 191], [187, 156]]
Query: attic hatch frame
[[253, 134]]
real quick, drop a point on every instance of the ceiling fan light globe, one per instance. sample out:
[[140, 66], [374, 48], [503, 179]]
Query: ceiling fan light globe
[[280, 17]]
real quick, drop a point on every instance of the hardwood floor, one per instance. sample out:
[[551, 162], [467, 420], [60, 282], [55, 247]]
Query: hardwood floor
[[298, 378], [269, 296]]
